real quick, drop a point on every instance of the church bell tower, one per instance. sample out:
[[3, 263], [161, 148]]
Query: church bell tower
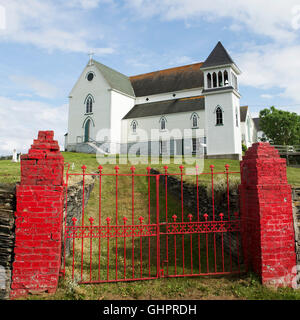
[[222, 105]]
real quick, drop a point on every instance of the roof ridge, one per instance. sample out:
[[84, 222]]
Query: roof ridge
[[120, 73], [173, 68]]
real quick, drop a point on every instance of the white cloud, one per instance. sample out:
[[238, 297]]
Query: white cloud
[[52, 25], [181, 60], [266, 96], [272, 66], [264, 17], [25, 118], [38, 87]]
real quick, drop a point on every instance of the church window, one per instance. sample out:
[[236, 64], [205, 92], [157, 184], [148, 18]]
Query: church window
[[163, 123], [195, 120], [215, 84], [90, 76], [209, 80], [226, 82], [220, 79], [194, 145], [89, 105], [219, 116], [134, 126]]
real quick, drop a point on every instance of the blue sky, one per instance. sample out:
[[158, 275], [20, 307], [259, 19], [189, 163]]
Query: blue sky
[[44, 47]]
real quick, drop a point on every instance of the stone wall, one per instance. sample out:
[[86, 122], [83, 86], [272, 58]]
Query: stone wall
[[296, 213], [74, 200], [7, 237]]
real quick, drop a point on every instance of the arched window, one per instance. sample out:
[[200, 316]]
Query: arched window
[[215, 84], [226, 78], [236, 117], [163, 123], [195, 120], [134, 126], [209, 80], [89, 104], [219, 116], [220, 79]]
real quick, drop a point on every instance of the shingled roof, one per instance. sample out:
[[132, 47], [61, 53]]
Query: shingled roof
[[168, 80], [219, 56], [115, 79], [166, 107]]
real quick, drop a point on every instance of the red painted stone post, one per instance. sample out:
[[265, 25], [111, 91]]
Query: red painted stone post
[[39, 218], [267, 217]]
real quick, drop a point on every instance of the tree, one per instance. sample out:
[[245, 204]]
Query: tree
[[280, 127]]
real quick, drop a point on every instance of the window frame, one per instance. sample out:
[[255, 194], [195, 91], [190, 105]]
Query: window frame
[[219, 111]]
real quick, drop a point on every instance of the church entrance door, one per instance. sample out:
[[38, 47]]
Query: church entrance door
[[87, 131]]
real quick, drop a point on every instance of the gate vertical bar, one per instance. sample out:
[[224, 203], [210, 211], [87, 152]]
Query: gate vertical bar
[[157, 226], [228, 208], [182, 218], [166, 196], [132, 219], [82, 221], [149, 220], [91, 245], [117, 171], [213, 204], [100, 213], [125, 220], [66, 216], [198, 217]]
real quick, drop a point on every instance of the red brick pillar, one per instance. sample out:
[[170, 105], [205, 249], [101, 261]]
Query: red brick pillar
[[267, 217], [39, 218]]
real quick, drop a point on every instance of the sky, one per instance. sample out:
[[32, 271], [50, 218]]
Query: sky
[[44, 47]]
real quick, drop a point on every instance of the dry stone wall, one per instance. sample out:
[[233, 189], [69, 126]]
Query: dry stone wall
[[7, 237]]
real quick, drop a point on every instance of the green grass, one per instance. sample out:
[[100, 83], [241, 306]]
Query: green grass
[[10, 172]]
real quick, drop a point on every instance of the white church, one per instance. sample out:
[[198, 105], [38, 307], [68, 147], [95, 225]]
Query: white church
[[174, 111]]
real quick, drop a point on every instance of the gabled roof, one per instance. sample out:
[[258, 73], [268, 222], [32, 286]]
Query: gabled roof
[[115, 79], [166, 107], [219, 56], [243, 113], [168, 80]]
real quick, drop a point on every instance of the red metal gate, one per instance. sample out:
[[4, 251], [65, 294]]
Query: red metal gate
[[164, 238]]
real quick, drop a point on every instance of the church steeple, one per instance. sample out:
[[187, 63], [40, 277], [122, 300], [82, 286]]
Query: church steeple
[[218, 57], [220, 71]]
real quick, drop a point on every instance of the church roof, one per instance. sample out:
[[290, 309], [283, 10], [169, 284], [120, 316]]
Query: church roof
[[115, 79], [243, 113], [219, 56], [168, 80], [166, 107]]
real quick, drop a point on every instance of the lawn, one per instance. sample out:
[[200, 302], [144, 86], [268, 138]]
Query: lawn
[[244, 286], [10, 172]]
